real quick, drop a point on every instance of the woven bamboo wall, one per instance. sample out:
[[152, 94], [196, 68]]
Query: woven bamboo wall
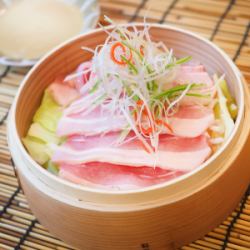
[[226, 22]]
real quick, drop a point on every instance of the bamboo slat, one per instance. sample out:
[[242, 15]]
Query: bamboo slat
[[225, 22]]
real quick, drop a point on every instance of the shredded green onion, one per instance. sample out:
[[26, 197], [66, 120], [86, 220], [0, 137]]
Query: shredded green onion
[[95, 87], [145, 76], [131, 65]]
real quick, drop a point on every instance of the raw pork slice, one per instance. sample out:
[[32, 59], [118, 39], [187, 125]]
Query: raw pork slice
[[115, 176], [93, 123], [83, 68], [192, 68], [62, 93], [197, 74], [174, 153], [189, 121], [193, 74]]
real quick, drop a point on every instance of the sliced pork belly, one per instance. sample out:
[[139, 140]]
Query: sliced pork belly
[[193, 74], [191, 121], [84, 77], [196, 74], [174, 153], [106, 175], [192, 68], [62, 93], [93, 123]]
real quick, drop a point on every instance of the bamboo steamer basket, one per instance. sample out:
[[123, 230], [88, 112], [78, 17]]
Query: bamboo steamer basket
[[164, 216]]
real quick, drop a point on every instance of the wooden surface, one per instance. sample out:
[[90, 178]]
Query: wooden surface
[[224, 22]]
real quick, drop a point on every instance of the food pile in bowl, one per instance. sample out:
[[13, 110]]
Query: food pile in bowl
[[133, 116]]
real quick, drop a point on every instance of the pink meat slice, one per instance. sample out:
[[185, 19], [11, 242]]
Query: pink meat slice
[[93, 123], [191, 120], [62, 93], [60, 79], [85, 68], [193, 68], [193, 74], [174, 153], [106, 175], [196, 74]]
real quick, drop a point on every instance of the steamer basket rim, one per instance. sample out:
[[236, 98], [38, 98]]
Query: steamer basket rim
[[12, 116]]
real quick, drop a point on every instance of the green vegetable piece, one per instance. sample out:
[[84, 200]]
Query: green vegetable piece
[[171, 91], [95, 87], [38, 131], [179, 61], [168, 93], [131, 65], [49, 113], [136, 98], [36, 149], [231, 103], [225, 91], [233, 110], [183, 60], [217, 111], [51, 167], [224, 112]]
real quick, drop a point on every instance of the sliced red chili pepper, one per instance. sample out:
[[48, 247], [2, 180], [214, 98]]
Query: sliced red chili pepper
[[142, 50], [135, 115], [123, 48], [139, 102], [168, 126], [145, 112], [159, 122], [146, 131], [145, 148], [165, 124]]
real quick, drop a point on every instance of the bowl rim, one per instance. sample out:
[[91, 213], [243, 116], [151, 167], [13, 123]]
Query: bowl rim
[[97, 190]]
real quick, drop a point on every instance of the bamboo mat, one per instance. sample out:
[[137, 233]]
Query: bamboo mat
[[225, 22]]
